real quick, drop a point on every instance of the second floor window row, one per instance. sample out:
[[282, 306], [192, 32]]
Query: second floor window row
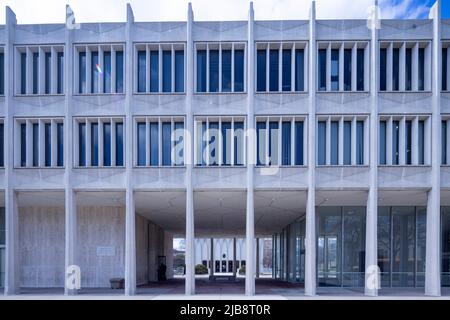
[[39, 70]]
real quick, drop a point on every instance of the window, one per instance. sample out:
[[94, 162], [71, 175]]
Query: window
[[103, 138], [395, 142], [105, 69], [347, 142], [219, 141], [35, 72], [23, 144], [36, 144], [220, 67], [396, 69], [445, 71], [382, 142], [60, 144], [23, 73], [334, 69], [322, 146], [360, 71], [408, 138], [444, 142], [421, 70], [359, 142], [348, 69], [383, 69], [167, 71], [299, 70], [334, 142], [421, 142], [322, 74], [2, 144], [179, 71], [154, 71], [141, 71], [48, 145], [160, 141], [2, 73], [286, 72], [48, 64], [408, 70], [273, 70], [261, 70]]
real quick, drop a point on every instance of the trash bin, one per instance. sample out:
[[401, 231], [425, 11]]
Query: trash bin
[[117, 283]]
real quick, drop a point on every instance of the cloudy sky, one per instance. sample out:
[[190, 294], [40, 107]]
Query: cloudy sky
[[53, 11]]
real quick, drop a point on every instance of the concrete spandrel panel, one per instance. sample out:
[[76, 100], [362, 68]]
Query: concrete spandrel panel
[[220, 31], [109, 104], [342, 103], [402, 103], [406, 29], [341, 177], [99, 32], [445, 177], [219, 104], [158, 104], [159, 178], [222, 178], [43, 106], [404, 177], [2, 35], [2, 106], [2, 178], [289, 30], [159, 31], [38, 179], [280, 177], [39, 34], [87, 178], [281, 103], [342, 30], [445, 102], [445, 29]]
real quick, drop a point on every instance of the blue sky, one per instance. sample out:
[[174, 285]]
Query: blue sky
[[53, 11]]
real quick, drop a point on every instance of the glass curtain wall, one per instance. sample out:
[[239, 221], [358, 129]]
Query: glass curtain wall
[[445, 265]]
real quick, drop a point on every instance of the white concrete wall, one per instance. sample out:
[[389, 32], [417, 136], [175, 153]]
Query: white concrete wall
[[141, 250]]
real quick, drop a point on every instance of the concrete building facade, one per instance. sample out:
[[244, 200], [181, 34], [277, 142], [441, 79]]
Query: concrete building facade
[[331, 136]]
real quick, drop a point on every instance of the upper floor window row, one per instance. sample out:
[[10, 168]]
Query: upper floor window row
[[404, 140], [343, 66], [281, 67], [405, 66], [220, 67], [40, 141], [159, 68], [39, 70], [2, 71], [99, 69]]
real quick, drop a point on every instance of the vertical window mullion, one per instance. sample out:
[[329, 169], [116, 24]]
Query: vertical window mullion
[[54, 144], [220, 68], [147, 69], [293, 139], [207, 68], [148, 143], [172, 69], [219, 149], [267, 68], [232, 68], [113, 72], [232, 162], [293, 84], [160, 142], [280, 68]]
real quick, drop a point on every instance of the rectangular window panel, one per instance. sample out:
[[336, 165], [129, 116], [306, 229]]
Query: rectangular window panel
[[94, 144], [107, 72], [179, 71], [395, 142], [178, 144], [421, 142], [82, 72], [444, 142], [82, 144], [261, 70], [334, 157], [286, 143], [383, 69], [119, 144], [2, 73], [347, 69], [396, 69], [213, 143], [299, 143], [119, 71], [239, 70], [95, 74], [226, 143], [421, 69], [239, 143], [261, 143], [403, 249], [60, 144], [35, 72], [203, 143], [360, 142], [226, 70], [444, 69], [286, 70], [299, 70], [141, 143], [23, 73], [23, 144], [60, 72], [347, 142], [273, 69], [408, 141], [2, 145], [48, 63], [48, 144], [321, 142], [107, 144], [201, 70], [273, 143], [213, 70], [384, 244], [167, 71], [154, 71], [154, 144], [360, 70], [382, 142], [141, 71], [35, 144], [166, 143], [335, 69], [408, 69], [322, 74]]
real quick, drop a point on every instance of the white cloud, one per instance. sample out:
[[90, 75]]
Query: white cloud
[[53, 11]]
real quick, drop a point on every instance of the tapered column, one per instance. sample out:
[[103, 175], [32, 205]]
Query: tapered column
[[257, 258], [211, 258], [190, 236], [130, 222], [433, 243], [250, 213], [310, 235], [234, 258], [12, 277]]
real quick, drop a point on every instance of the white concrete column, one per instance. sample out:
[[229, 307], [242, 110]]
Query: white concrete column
[[190, 236], [389, 130], [130, 219], [250, 212], [257, 258], [402, 142], [389, 67], [328, 68], [433, 227], [12, 276], [234, 258], [371, 256], [415, 67], [211, 258], [415, 141], [310, 235], [354, 64], [341, 67], [353, 139], [402, 67]]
